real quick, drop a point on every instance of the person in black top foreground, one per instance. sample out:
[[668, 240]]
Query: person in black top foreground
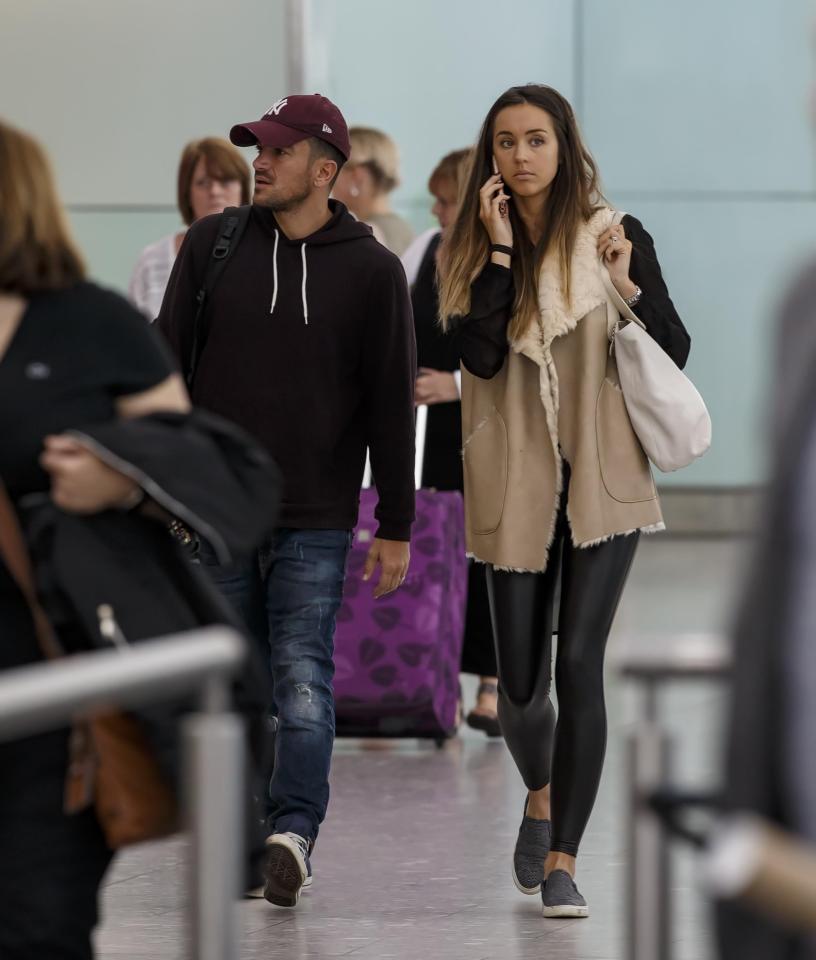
[[310, 347], [70, 354], [438, 385]]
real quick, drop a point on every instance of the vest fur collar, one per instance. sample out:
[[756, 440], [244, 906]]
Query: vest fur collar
[[556, 317]]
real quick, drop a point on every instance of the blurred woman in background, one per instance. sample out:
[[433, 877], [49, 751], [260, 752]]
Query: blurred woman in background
[[438, 386], [212, 175], [365, 184]]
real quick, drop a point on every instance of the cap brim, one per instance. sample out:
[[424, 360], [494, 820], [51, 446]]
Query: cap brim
[[265, 133]]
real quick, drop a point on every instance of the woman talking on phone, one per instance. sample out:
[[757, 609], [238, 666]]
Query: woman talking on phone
[[555, 478]]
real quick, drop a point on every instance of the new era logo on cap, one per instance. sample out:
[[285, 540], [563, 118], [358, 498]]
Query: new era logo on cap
[[295, 118]]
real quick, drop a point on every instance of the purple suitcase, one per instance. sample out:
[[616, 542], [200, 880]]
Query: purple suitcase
[[397, 659]]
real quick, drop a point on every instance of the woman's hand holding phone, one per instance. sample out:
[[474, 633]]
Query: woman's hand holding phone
[[492, 200]]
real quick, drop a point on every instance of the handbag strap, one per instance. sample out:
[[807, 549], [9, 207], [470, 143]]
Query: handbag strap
[[618, 302], [14, 554]]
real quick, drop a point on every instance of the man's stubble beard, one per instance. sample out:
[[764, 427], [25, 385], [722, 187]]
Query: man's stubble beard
[[290, 203]]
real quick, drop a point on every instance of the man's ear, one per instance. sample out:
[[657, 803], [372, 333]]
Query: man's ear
[[325, 173]]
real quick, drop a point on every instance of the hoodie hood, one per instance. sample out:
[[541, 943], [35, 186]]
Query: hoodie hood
[[341, 228]]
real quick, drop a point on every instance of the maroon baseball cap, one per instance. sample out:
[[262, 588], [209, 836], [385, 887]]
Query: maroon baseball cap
[[292, 119]]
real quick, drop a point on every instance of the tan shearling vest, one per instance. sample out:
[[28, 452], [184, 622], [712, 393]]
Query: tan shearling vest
[[557, 396]]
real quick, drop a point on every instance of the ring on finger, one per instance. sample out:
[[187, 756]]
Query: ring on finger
[[614, 239]]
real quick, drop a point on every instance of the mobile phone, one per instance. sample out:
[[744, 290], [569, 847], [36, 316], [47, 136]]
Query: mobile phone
[[502, 203]]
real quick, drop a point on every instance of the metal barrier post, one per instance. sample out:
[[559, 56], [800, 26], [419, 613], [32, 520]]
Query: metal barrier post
[[46, 696], [216, 801], [652, 661], [648, 904]]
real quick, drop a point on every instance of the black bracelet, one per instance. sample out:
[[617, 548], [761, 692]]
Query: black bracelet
[[501, 248]]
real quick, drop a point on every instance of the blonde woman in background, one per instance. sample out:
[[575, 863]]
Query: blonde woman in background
[[212, 175], [438, 385], [365, 184]]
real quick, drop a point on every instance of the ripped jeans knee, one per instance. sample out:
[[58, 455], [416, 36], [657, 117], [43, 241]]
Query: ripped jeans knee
[[303, 698]]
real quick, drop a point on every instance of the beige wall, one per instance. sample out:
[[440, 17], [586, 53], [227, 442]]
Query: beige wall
[[114, 88]]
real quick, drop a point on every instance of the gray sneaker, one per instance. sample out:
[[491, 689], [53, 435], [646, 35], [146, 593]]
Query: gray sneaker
[[532, 848], [560, 897], [288, 868]]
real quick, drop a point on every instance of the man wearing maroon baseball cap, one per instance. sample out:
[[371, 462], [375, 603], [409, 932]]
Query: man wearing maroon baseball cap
[[306, 341], [293, 119]]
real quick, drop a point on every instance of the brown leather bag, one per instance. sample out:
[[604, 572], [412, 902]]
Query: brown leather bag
[[113, 768], [111, 764]]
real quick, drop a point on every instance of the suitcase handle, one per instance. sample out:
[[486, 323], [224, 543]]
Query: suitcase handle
[[419, 460]]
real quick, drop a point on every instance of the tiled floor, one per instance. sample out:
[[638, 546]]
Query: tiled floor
[[413, 862]]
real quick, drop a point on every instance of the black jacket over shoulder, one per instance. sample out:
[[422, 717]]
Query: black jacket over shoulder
[[482, 335]]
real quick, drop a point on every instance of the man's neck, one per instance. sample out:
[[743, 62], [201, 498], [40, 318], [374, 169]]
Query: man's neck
[[307, 218]]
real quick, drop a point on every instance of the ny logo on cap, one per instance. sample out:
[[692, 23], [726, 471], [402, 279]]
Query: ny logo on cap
[[327, 128], [277, 107]]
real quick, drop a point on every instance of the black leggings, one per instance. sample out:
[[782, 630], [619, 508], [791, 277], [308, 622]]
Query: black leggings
[[570, 752]]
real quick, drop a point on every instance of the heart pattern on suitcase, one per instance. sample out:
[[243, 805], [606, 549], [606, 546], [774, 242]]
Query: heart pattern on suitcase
[[397, 659]]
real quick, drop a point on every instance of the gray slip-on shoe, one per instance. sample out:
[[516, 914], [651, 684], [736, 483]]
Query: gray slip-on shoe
[[560, 897], [532, 848]]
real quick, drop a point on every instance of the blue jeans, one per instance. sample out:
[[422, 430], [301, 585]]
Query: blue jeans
[[288, 594]]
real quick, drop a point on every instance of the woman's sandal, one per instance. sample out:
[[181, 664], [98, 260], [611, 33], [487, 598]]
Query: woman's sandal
[[481, 721]]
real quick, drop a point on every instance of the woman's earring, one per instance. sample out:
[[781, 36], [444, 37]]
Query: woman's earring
[[354, 191]]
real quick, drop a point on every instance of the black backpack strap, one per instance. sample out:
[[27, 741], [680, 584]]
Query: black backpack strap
[[231, 227]]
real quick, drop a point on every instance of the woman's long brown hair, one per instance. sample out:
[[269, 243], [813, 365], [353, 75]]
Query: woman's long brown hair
[[36, 248], [574, 195]]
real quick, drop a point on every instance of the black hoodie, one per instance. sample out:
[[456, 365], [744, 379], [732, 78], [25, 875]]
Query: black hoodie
[[311, 350]]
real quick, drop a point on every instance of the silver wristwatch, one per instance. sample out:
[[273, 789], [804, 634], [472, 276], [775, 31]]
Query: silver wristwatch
[[633, 300]]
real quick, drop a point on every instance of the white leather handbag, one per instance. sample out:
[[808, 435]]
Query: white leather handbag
[[667, 412]]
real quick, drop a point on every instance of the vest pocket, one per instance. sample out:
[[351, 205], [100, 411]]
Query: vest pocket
[[624, 468], [485, 461]]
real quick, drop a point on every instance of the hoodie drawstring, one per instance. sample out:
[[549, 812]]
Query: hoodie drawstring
[[275, 279], [303, 288], [275, 273]]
